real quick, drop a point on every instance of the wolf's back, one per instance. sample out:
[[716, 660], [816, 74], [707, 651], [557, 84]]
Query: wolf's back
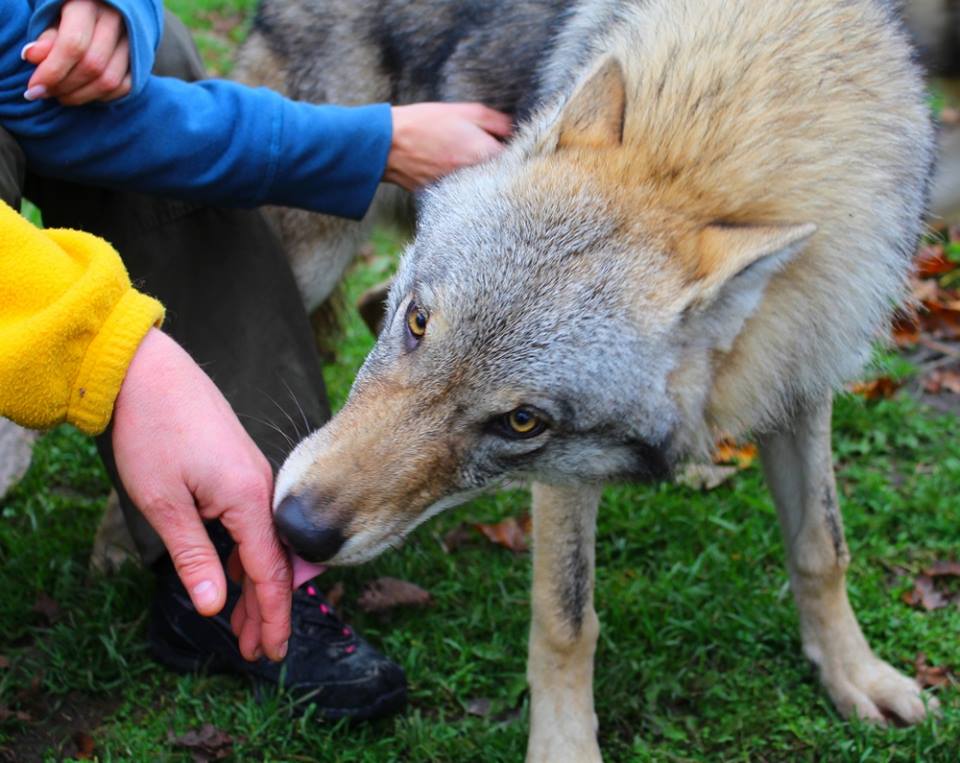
[[750, 111]]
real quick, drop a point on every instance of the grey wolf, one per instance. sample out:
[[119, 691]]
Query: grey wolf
[[707, 214]]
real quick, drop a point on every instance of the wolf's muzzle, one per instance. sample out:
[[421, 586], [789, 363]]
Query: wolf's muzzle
[[303, 531]]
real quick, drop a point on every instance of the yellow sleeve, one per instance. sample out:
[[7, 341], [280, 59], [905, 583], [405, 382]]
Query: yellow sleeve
[[70, 323]]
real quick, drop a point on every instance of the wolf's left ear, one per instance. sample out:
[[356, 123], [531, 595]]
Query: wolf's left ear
[[731, 266], [593, 117]]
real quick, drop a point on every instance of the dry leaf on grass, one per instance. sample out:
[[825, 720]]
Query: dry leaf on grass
[[726, 451], [875, 389], [510, 533], [384, 594], [942, 380], [47, 607], [458, 536], [85, 745], [931, 675], [925, 594], [905, 328], [6, 714], [932, 261], [4, 662], [204, 744]]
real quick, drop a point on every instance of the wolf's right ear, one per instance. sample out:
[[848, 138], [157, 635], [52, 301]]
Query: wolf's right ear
[[731, 267], [593, 117]]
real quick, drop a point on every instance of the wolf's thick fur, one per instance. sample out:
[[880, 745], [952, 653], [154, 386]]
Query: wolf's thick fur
[[705, 220]]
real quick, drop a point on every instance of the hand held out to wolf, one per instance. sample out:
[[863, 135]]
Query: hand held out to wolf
[[184, 458]]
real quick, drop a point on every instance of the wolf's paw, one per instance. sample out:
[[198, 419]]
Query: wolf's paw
[[873, 691]]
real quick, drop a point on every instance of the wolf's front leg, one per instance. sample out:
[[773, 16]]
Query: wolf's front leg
[[799, 469], [563, 633]]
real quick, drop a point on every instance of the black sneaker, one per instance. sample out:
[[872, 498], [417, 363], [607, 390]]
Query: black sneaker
[[327, 664]]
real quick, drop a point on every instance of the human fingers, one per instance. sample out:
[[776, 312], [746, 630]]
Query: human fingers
[[34, 52], [78, 19], [268, 578], [250, 637], [114, 83], [481, 146], [179, 526], [107, 57], [493, 121], [238, 617]]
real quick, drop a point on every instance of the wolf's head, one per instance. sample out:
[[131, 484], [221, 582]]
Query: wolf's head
[[553, 319]]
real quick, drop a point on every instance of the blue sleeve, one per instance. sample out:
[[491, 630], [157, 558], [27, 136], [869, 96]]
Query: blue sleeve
[[216, 142], [144, 22], [213, 141]]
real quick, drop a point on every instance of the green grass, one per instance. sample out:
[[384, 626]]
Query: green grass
[[699, 657]]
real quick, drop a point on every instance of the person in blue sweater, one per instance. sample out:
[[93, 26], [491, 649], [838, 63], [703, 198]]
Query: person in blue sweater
[[104, 124]]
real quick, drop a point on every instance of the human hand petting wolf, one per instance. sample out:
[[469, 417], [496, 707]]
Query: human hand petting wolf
[[184, 458], [85, 57]]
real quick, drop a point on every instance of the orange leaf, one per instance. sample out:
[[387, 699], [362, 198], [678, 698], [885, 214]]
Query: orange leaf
[[875, 389], [727, 451], [931, 261], [510, 533], [942, 380]]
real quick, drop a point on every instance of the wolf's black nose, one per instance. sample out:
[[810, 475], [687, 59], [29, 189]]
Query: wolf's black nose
[[306, 533]]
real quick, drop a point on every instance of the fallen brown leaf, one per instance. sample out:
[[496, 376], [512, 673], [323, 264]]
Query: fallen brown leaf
[[510, 533], [932, 261], [931, 675], [461, 534], [905, 328], [924, 595], [875, 389], [46, 606], [335, 595], [4, 662], [941, 569], [6, 714], [204, 744], [85, 745], [949, 115], [942, 380], [384, 594]]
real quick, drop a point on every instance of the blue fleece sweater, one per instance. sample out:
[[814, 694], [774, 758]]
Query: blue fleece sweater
[[213, 141]]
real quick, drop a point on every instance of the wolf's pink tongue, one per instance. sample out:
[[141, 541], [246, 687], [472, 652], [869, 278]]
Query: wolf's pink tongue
[[304, 570]]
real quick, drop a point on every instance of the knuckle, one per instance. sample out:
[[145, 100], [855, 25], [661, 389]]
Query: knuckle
[[75, 44], [110, 81], [93, 65], [189, 557]]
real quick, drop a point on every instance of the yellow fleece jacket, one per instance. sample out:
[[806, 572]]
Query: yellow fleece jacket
[[70, 323]]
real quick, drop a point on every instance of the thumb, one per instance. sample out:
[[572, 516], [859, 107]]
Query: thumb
[[195, 559]]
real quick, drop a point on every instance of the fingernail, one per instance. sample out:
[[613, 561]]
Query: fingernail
[[205, 594], [35, 92], [25, 48], [283, 649]]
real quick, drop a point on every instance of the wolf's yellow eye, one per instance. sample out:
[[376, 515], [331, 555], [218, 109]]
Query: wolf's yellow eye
[[523, 421], [416, 320]]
